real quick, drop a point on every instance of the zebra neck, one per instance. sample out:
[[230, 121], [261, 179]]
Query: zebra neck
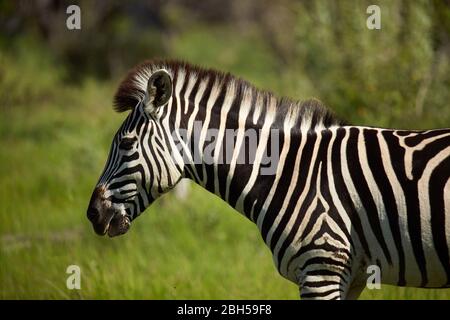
[[233, 136], [243, 166]]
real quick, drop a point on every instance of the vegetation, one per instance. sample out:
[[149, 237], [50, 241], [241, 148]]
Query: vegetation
[[56, 124]]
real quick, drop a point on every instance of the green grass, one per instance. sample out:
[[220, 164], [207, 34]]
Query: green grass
[[196, 249]]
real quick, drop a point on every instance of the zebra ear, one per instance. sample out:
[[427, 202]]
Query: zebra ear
[[159, 89]]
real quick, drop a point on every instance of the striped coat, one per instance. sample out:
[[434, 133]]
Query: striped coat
[[330, 199]]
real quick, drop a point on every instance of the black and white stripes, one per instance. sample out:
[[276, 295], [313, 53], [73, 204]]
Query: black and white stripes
[[337, 199]]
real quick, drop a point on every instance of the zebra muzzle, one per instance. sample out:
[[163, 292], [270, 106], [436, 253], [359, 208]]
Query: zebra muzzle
[[105, 216], [119, 224], [101, 219]]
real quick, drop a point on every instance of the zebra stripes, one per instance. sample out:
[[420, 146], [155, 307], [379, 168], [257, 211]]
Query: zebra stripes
[[341, 198]]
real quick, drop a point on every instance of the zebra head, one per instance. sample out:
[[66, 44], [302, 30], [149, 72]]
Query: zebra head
[[140, 166]]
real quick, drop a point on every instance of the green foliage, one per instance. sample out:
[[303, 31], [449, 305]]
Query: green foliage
[[246, 56], [374, 77], [28, 73]]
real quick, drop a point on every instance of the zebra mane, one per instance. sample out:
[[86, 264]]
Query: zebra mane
[[132, 91]]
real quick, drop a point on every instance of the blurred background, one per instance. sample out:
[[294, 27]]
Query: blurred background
[[57, 122]]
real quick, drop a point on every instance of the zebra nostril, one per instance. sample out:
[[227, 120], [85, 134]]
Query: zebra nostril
[[92, 213]]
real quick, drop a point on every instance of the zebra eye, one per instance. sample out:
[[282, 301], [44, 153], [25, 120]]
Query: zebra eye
[[127, 143]]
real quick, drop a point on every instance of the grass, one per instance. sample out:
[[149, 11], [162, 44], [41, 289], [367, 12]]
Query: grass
[[194, 249]]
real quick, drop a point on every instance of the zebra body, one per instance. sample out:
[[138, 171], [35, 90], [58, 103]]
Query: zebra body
[[370, 203], [339, 198]]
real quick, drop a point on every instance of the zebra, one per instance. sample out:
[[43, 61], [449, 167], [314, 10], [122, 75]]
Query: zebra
[[341, 198]]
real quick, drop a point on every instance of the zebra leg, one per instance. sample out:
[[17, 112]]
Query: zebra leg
[[323, 286]]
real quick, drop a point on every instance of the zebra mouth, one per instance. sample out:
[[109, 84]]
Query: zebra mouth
[[113, 222], [118, 225], [101, 222]]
